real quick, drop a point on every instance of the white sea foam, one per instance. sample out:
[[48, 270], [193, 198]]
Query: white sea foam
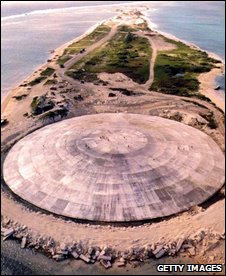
[[68, 9]]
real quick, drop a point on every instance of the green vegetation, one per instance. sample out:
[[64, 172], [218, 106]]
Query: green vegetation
[[125, 53], [61, 60], [142, 26], [176, 70], [210, 118], [54, 113], [51, 81], [202, 97], [124, 91], [78, 46], [126, 28], [176, 117], [47, 72], [20, 97], [41, 104], [34, 102], [37, 81], [44, 74]]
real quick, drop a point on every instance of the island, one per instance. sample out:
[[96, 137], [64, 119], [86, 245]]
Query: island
[[130, 114]]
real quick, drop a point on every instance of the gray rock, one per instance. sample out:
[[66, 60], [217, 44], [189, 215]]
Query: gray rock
[[96, 255], [191, 251], [63, 247], [58, 257], [84, 258], [160, 253], [212, 246], [105, 264], [179, 244], [120, 264], [122, 260], [23, 242], [91, 250], [158, 248], [62, 252], [136, 264], [104, 257], [75, 254], [187, 245], [6, 233]]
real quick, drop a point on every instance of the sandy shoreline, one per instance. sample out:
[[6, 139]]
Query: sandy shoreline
[[207, 80], [32, 224], [57, 52]]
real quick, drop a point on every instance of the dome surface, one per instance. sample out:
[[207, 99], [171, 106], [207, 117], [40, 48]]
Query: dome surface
[[115, 167]]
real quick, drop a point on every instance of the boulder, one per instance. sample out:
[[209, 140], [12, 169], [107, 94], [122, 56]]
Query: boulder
[[58, 257], [120, 264], [79, 98], [104, 257], [75, 254], [212, 245], [157, 249], [160, 253], [6, 233], [179, 244], [191, 251], [23, 242], [84, 258], [105, 264]]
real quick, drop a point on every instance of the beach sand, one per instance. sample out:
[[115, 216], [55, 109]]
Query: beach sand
[[121, 238], [208, 85]]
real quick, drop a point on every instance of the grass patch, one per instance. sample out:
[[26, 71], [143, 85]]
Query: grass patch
[[34, 102], [87, 41], [61, 60], [176, 71], [82, 76], [125, 53], [20, 97], [43, 75], [51, 81], [41, 104], [54, 113], [47, 72], [37, 81]]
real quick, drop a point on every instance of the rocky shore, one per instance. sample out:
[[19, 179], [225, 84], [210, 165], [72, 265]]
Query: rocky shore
[[202, 242], [197, 233]]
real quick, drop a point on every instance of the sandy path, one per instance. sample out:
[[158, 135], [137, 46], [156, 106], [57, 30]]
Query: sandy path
[[157, 43], [152, 63], [60, 230], [61, 71]]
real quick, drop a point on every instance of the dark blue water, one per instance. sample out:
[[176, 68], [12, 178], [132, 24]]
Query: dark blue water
[[31, 29]]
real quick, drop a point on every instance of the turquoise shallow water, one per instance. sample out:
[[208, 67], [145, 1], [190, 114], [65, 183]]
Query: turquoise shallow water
[[199, 22], [29, 32]]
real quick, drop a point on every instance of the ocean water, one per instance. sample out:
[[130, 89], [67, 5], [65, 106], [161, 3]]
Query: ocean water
[[199, 22], [31, 29], [28, 38]]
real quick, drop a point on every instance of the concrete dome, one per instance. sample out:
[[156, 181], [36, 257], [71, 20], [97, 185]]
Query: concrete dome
[[115, 167]]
